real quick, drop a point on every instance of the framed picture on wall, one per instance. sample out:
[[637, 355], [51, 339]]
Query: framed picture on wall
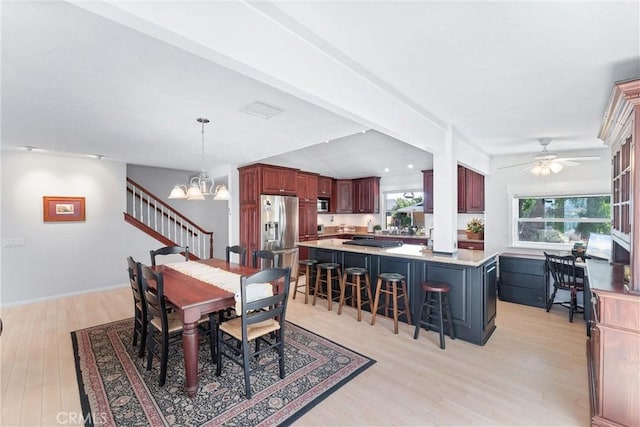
[[57, 209]]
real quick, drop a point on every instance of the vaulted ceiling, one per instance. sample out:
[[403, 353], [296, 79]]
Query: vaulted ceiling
[[127, 80]]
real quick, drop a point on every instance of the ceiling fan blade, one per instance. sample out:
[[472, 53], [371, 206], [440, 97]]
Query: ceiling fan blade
[[517, 164], [568, 163], [581, 159]]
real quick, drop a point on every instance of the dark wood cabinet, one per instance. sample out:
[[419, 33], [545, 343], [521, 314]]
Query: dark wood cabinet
[[427, 186], [613, 351], [325, 187], [523, 280], [250, 227], [476, 246], [307, 221], [344, 196], [474, 188], [613, 348], [462, 189], [255, 180], [277, 180], [307, 187], [470, 191], [366, 195]]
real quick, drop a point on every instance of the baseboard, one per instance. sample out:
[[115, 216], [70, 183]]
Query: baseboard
[[67, 294]]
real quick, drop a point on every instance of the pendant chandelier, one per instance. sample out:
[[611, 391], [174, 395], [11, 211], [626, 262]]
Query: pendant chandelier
[[200, 185]]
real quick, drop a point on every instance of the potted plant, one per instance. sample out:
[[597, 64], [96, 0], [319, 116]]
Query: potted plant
[[475, 229]]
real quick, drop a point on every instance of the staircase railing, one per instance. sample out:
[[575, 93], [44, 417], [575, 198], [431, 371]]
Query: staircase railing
[[153, 216]]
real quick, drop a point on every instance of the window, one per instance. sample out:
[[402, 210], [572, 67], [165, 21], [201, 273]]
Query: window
[[560, 221], [403, 208]]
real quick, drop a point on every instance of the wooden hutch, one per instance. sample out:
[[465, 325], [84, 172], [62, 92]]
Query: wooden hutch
[[613, 349]]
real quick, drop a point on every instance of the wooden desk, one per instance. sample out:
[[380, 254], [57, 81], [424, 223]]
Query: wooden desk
[[194, 298]]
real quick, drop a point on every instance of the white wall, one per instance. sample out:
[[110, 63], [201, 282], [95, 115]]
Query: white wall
[[589, 177], [67, 258], [64, 258]]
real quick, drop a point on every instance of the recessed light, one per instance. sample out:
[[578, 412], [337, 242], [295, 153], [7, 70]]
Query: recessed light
[[386, 169], [98, 156], [410, 166]]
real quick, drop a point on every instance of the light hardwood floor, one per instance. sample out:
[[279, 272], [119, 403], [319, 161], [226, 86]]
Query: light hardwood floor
[[532, 372]]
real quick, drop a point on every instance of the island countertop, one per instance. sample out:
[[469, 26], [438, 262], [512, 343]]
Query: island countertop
[[473, 258]]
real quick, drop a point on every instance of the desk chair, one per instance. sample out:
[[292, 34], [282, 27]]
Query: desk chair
[[564, 275]]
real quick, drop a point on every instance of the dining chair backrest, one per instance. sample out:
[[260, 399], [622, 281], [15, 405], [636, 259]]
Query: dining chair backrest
[[272, 307], [562, 269], [169, 250], [135, 280], [156, 305], [264, 259], [237, 249]]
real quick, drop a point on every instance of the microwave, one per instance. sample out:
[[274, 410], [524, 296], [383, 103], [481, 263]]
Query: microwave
[[323, 205]]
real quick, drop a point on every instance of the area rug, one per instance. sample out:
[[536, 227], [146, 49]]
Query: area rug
[[116, 389]]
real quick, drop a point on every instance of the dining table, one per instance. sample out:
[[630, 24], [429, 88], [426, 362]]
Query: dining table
[[194, 298]]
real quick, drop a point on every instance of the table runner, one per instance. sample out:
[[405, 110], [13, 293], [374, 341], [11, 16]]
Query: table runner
[[223, 279]]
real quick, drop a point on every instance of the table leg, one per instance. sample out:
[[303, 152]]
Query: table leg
[[190, 349]]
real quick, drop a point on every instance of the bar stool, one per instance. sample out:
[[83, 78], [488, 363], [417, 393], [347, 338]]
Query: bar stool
[[356, 288], [428, 301], [330, 271], [388, 285], [308, 270]]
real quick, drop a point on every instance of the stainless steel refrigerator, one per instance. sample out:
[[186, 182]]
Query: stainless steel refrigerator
[[279, 228]]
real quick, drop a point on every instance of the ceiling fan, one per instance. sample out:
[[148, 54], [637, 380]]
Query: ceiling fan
[[547, 162]]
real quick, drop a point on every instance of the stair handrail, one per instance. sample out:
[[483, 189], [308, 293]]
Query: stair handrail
[[151, 201]]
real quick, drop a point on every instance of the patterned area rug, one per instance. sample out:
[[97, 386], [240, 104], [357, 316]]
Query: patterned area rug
[[116, 389]]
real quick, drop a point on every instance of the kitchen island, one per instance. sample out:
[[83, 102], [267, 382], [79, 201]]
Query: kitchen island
[[471, 274]]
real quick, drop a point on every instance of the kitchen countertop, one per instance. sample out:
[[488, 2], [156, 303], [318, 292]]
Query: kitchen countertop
[[358, 233], [472, 258]]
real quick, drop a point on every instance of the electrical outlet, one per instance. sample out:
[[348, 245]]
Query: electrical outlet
[[13, 243]]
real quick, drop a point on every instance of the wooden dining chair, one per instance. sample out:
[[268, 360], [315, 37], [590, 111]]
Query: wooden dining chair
[[264, 259], [241, 251], [169, 250], [564, 276], [139, 305], [165, 328], [261, 321]]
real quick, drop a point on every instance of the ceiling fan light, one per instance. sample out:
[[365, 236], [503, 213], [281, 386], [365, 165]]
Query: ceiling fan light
[[555, 167], [178, 192], [536, 170]]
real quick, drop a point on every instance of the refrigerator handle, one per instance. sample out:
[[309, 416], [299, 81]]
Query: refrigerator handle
[[283, 211]]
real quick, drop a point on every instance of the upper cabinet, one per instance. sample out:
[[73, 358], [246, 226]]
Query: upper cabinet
[[307, 187], [427, 181], [344, 196], [278, 180], [470, 191], [366, 195], [325, 187], [620, 129]]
